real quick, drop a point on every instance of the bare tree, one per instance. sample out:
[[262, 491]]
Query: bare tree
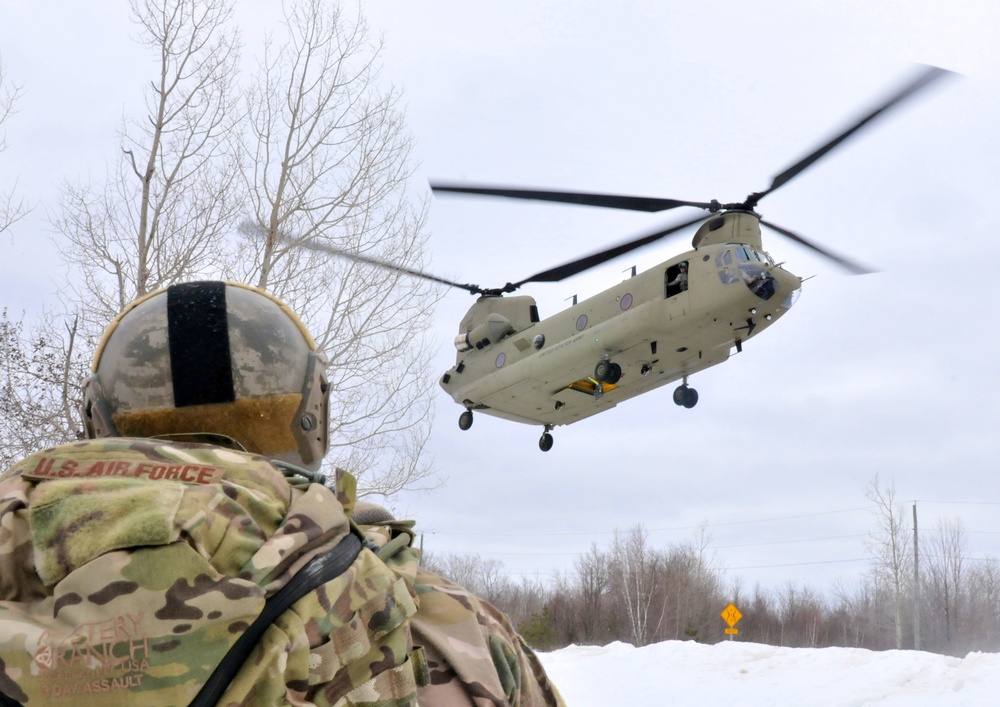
[[11, 208], [327, 161], [37, 405], [158, 218], [593, 581], [316, 151], [636, 572], [858, 607], [889, 548], [173, 192], [485, 577], [984, 604], [946, 571]]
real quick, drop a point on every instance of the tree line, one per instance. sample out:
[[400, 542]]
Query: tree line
[[633, 592]]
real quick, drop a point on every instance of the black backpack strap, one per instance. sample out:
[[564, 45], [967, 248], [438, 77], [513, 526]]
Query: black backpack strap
[[318, 571]]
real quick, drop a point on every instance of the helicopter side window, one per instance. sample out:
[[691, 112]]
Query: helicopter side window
[[677, 279]]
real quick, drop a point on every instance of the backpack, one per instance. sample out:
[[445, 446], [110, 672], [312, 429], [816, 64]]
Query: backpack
[[153, 572]]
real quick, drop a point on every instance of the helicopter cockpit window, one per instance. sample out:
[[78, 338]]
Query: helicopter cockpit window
[[677, 279], [727, 271], [757, 277], [749, 265], [749, 254]]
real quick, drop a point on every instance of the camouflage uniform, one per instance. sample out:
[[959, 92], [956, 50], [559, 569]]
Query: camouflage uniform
[[132, 564], [129, 567], [473, 654]]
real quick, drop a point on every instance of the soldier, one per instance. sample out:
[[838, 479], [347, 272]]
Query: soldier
[[189, 552]]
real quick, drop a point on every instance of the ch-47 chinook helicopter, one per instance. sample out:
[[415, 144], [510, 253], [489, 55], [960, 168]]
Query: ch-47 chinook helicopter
[[657, 327]]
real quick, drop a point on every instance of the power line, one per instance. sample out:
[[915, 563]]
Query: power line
[[652, 530], [800, 564], [788, 542], [961, 503]]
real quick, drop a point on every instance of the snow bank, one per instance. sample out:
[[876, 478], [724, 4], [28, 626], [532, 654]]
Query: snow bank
[[737, 673]]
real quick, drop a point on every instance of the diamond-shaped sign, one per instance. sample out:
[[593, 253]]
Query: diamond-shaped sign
[[731, 615]]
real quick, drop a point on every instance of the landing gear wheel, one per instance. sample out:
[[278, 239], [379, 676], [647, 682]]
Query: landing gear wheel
[[616, 374], [686, 396], [603, 371], [545, 442], [465, 420]]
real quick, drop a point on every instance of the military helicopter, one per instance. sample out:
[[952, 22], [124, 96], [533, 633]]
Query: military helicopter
[[657, 327]]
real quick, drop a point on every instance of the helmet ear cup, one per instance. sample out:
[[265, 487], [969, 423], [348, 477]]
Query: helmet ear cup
[[311, 425], [97, 418]]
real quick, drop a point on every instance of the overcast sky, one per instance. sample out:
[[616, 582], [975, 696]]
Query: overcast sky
[[891, 373]]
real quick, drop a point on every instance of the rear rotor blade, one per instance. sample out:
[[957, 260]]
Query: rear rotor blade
[[849, 265], [561, 272], [323, 248], [252, 229], [924, 79], [611, 201]]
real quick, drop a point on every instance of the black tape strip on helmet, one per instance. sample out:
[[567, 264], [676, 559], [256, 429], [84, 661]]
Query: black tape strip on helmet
[[198, 330]]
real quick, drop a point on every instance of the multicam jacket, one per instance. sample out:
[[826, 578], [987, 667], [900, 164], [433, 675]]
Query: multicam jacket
[[473, 654], [129, 568]]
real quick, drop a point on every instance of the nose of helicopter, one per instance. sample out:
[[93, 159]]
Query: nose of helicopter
[[789, 286]]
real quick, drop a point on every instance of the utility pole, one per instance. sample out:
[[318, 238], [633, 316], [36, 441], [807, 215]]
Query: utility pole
[[916, 583]]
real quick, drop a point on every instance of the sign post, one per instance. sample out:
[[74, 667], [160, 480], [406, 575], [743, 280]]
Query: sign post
[[731, 615]]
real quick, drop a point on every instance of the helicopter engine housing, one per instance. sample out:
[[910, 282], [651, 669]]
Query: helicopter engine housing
[[730, 227], [495, 328], [491, 319]]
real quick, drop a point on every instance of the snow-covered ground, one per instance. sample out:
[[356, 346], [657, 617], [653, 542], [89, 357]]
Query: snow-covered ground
[[736, 673]]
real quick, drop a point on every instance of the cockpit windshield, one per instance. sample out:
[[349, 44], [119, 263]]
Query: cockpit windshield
[[740, 262], [747, 253]]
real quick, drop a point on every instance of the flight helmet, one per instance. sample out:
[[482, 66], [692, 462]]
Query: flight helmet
[[212, 360]]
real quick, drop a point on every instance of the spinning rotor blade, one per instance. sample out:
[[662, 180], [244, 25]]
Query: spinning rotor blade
[[929, 75], [611, 201], [924, 79], [849, 265], [561, 272], [252, 229]]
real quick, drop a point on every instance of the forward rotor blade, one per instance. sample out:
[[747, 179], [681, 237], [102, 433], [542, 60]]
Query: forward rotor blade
[[561, 272], [849, 265], [611, 201], [252, 229], [924, 79]]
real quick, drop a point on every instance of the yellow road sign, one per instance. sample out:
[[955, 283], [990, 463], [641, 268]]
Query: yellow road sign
[[731, 615], [733, 631]]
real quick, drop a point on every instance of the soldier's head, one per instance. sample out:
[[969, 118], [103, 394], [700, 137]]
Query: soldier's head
[[204, 359]]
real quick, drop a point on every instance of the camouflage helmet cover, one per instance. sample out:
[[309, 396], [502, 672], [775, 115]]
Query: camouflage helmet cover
[[212, 358]]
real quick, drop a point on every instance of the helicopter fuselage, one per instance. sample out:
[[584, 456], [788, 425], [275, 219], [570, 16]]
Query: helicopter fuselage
[[654, 328]]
